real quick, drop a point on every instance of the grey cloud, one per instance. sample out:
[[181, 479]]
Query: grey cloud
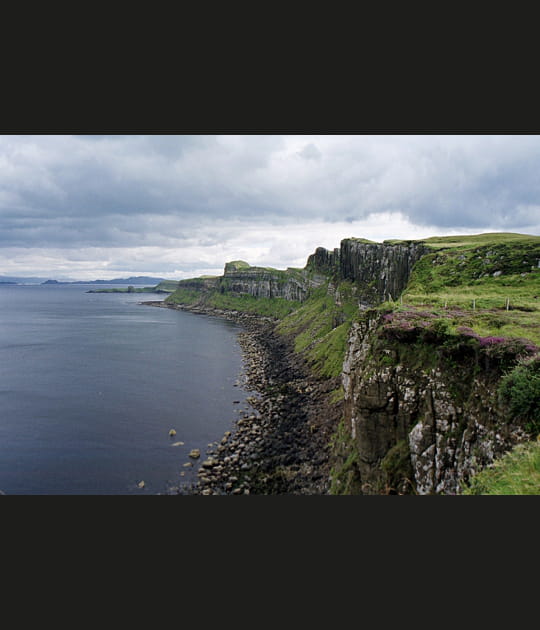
[[310, 152]]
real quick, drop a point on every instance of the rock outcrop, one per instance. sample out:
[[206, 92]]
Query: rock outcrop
[[290, 284], [420, 421], [324, 261], [380, 270]]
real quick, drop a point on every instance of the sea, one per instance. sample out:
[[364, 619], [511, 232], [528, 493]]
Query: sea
[[91, 384]]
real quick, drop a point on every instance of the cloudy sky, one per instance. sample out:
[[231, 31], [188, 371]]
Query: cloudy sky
[[177, 206]]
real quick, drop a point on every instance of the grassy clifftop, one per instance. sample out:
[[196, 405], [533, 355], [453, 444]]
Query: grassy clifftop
[[493, 279]]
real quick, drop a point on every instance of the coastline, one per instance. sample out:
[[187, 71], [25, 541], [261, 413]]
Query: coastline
[[283, 446]]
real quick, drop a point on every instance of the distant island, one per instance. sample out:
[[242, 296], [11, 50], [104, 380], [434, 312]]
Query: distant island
[[165, 286], [140, 280], [134, 280]]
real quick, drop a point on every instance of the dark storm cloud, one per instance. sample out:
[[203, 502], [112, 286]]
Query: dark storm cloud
[[153, 190]]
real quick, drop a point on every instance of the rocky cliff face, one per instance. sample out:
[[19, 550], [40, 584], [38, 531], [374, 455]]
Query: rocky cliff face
[[324, 261], [380, 270], [420, 417], [291, 284]]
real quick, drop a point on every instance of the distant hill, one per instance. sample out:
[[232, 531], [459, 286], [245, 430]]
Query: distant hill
[[20, 280], [135, 280]]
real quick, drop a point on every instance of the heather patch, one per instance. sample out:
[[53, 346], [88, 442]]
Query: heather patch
[[445, 330]]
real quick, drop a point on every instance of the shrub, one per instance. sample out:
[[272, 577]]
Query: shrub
[[520, 390]]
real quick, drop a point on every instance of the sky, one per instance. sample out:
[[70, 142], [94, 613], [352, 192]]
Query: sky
[[178, 206]]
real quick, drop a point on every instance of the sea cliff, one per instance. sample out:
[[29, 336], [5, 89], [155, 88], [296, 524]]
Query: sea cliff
[[379, 366]]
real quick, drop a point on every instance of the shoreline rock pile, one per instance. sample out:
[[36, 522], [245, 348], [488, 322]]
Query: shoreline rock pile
[[280, 443]]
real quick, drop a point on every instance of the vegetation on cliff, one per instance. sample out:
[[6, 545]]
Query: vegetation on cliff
[[516, 473], [320, 327], [276, 308], [423, 405]]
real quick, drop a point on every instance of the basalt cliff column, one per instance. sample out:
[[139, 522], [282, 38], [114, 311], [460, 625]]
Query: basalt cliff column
[[380, 270], [239, 278]]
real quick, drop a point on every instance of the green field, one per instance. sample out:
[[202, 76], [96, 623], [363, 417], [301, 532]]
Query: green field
[[492, 279]]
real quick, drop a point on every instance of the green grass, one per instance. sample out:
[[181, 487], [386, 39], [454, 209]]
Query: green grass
[[167, 285], [493, 278], [320, 328], [487, 238], [338, 395], [327, 355], [362, 240], [311, 321], [269, 307], [236, 265], [344, 477], [185, 296], [516, 473]]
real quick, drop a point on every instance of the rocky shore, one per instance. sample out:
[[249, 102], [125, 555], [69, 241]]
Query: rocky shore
[[280, 446]]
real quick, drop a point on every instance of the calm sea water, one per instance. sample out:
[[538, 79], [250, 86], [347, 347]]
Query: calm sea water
[[91, 384]]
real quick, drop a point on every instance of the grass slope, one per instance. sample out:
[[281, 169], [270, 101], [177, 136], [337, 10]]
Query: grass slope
[[320, 328], [516, 473]]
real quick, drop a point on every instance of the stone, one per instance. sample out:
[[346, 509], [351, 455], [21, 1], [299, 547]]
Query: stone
[[195, 453], [141, 484], [172, 432]]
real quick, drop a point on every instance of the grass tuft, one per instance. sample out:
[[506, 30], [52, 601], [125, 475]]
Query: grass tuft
[[517, 472]]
